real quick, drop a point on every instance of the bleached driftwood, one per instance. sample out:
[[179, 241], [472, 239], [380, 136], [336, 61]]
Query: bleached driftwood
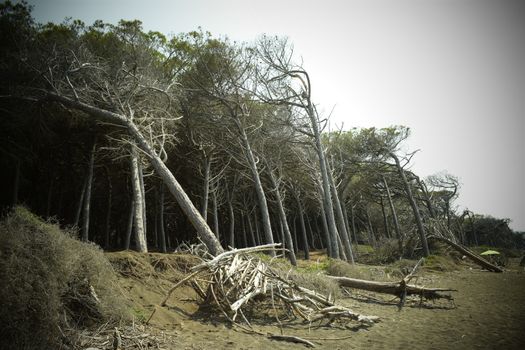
[[400, 289], [238, 280]]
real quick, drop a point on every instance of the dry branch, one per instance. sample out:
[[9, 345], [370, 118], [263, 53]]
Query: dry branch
[[239, 281]]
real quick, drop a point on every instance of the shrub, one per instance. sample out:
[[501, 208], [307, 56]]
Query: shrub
[[51, 283]]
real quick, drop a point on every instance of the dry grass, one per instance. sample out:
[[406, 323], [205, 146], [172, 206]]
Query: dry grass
[[51, 283]]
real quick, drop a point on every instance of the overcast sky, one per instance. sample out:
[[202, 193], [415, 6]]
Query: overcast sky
[[451, 70]]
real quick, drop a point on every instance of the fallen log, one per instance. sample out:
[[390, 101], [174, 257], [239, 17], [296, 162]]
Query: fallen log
[[474, 257], [398, 289]]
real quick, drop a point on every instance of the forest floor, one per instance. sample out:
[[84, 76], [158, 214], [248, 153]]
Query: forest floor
[[488, 311]]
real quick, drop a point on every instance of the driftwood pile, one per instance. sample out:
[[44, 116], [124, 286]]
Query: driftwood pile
[[237, 280]]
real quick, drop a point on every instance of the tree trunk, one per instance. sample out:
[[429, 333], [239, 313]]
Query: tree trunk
[[129, 228], [87, 200], [281, 231], [415, 209], [476, 258], [330, 218], [394, 216], [296, 242], [350, 229], [261, 196], [215, 214], [317, 229], [282, 219], [232, 222], [352, 220], [173, 185], [340, 220], [342, 254], [395, 288], [243, 230], [257, 231], [206, 188], [327, 238], [143, 191], [140, 234], [162, 235], [250, 228], [80, 202], [303, 227], [370, 229], [385, 219], [311, 233]]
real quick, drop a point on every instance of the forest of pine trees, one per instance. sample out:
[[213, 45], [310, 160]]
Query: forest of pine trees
[[145, 141]]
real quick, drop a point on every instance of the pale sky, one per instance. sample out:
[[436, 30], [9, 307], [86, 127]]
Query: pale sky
[[451, 70]]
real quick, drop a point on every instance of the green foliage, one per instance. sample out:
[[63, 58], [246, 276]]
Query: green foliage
[[49, 280]]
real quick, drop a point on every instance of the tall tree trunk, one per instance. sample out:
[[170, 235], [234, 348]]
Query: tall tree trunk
[[261, 196], [143, 191], [296, 242], [340, 219], [257, 231], [342, 254], [282, 218], [370, 229], [328, 239], [80, 202], [328, 205], [129, 228], [283, 239], [215, 214], [385, 219], [250, 228], [206, 187], [243, 230], [140, 233], [303, 227], [317, 229], [413, 204], [311, 233], [352, 222], [394, 213], [232, 222], [350, 228], [162, 235], [173, 185], [87, 200]]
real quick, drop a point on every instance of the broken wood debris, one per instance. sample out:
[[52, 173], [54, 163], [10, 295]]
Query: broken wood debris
[[239, 280]]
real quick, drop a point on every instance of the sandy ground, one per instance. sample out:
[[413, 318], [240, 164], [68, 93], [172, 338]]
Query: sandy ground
[[488, 312]]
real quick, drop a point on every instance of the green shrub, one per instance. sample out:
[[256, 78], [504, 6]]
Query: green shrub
[[51, 283]]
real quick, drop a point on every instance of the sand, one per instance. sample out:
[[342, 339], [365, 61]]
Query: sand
[[488, 312]]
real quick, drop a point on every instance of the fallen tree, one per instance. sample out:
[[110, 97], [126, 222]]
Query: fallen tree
[[400, 289], [468, 253], [395, 288], [193, 215]]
